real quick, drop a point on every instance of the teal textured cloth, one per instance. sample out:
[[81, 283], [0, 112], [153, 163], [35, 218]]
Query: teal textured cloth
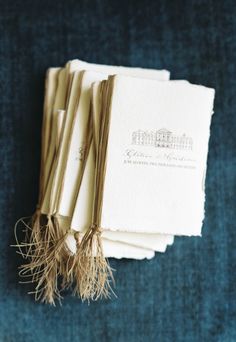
[[188, 293]]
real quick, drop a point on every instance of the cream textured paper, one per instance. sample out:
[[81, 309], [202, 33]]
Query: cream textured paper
[[161, 75], [111, 249], [156, 157], [118, 250]]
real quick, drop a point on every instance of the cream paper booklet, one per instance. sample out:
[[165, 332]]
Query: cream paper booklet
[[152, 156], [150, 167]]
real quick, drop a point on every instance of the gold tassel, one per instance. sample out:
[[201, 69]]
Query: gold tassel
[[45, 250], [95, 271], [50, 258]]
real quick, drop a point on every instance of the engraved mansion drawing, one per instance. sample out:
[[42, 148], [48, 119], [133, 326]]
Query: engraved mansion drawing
[[162, 138]]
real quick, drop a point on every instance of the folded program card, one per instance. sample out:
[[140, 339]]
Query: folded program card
[[151, 174], [146, 175]]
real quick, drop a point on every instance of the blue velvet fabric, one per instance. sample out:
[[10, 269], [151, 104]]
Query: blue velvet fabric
[[186, 294]]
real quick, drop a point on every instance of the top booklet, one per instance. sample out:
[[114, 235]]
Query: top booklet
[[152, 156]]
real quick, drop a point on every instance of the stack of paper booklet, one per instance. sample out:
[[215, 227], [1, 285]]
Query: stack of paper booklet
[[123, 164]]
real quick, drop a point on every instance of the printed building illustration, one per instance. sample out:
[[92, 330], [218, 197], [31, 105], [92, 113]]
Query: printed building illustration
[[162, 138]]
